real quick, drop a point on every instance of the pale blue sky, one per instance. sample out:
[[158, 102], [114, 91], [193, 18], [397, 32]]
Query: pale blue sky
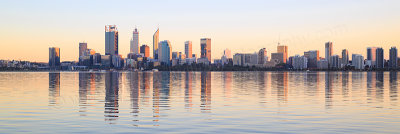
[[30, 27]]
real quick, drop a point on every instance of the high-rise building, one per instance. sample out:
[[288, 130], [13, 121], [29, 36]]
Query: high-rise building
[[145, 50], [357, 61], [227, 53], [135, 42], [299, 62], [345, 57], [283, 49], [371, 56], [328, 51], [393, 57], [334, 62], [82, 48], [205, 45], [111, 40], [277, 57], [380, 60], [155, 44], [188, 49], [54, 57], [165, 52], [312, 58], [262, 56]]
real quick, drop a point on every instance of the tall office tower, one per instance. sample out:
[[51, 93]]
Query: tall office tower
[[334, 62], [371, 56], [380, 60], [135, 42], [312, 58], [155, 44], [188, 49], [357, 61], [145, 50], [328, 51], [54, 57], [283, 49], [393, 57], [345, 57], [111, 40], [82, 48], [205, 45], [262, 56], [165, 52]]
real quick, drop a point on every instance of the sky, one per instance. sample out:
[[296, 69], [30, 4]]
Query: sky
[[29, 28]]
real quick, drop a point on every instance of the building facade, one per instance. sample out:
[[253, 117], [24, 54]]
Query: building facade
[[165, 52], [393, 57], [54, 57], [312, 58], [380, 60], [155, 44], [328, 50], [371, 56], [205, 47], [262, 56], [82, 48], [135, 42], [111, 40], [345, 57], [188, 49], [284, 50], [145, 50]]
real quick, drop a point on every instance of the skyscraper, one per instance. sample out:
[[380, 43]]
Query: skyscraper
[[328, 51], [345, 57], [371, 56], [284, 50], [111, 40], [380, 61], [205, 45], [54, 57], [357, 61], [262, 56], [82, 48], [155, 44], [312, 58], [165, 52], [393, 57], [145, 50], [188, 49], [135, 42]]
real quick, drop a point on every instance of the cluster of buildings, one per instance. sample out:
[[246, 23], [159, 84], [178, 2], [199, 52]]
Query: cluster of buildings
[[163, 55]]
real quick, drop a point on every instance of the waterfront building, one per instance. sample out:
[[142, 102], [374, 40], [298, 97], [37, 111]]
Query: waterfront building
[[82, 48], [245, 59], [358, 61], [371, 56], [393, 57], [155, 44], [111, 40], [284, 50], [145, 50], [205, 47], [188, 49], [328, 51], [334, 62], [54, 57], [279, 57], [312, 58], [323, 64], [135, 42], [299, 62], [165, 52], [345, 58], [262, 56], [380, 59]]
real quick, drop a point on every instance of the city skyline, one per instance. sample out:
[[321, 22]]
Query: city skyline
[[347, 27]]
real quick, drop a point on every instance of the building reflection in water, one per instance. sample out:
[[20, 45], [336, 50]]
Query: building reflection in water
[[205, 97], [111, 100], [328, 89], [145, 86], [86, 86], [188, 90], [393, 86], [379, 86], [54, 88], [312, 81], [156, 95], [345, 84], [134, 83], [371, 84], [280, 81]]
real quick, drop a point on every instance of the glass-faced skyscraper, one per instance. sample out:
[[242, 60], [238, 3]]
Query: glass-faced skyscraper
[[205, 45], [328, 50], [188, 49], [155, 44], [284, 50], [54, 57], [111, 40], [82, 48], [371, 56], [380, 61], [165, 52], [393, 57], [135, 42]]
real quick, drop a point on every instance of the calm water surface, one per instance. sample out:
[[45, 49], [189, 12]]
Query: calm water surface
[[199, 102]]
